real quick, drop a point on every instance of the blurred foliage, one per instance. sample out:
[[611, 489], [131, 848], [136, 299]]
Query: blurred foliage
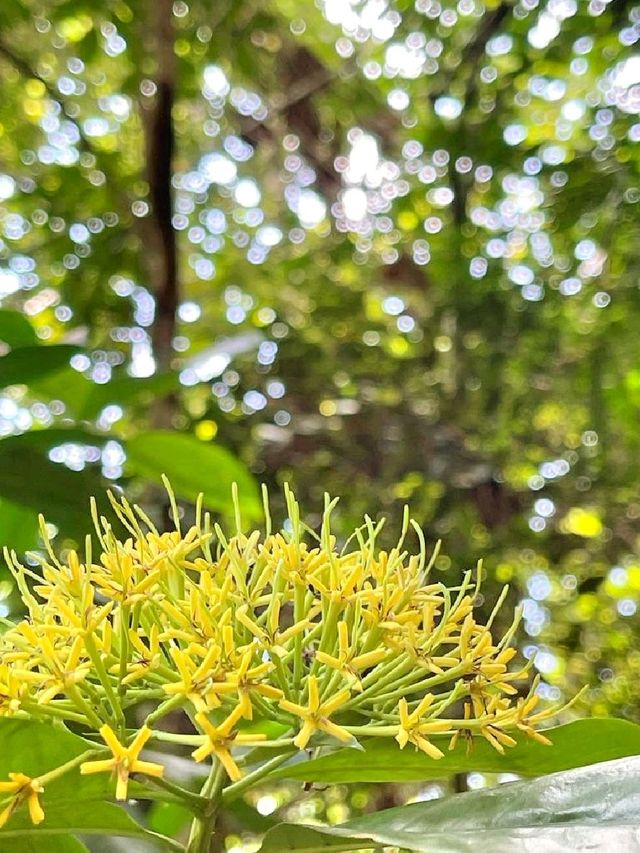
[[405, 270]]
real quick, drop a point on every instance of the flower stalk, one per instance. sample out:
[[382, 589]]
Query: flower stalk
[[203, 826]]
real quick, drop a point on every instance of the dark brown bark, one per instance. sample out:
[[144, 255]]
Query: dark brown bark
[[161, 145], [162, 260]]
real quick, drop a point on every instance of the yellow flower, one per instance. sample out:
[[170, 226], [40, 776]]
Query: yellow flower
[[81, 614], [465, 732], [24, 789], [122, 579], [494, 666], [208, 606], [12, 691], [343, 588], [286, 624], [170, 547], [270, 637], [196, 680], [381, 607], [496, 737], [526, 720], [297, 562], [245, 680], [220, 739], [147, 655], [348, 663], [316, 714], [467, 630], [72, 579], [125, 760], [58, 668], [412, 730]]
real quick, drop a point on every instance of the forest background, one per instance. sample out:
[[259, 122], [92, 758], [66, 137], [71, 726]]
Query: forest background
[[384, 250]]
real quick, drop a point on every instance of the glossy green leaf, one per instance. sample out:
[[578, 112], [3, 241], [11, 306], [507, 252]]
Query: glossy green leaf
[[574, 745], [128, 391], [73, 804], [168, 818], [69, 385], [45, 439], [18, 526], [33, 748], [47, 844], [30, 479], [594, 808], [85, 399], [243, 817], [194, 466], [79, 815], [15, 329], [23, 365]]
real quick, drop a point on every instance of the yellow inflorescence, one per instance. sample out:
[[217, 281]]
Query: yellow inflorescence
[[22, 789], [281, 637]]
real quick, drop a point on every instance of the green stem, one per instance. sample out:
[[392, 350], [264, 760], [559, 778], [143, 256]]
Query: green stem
[[94, 654], [329, 683], [267, 744], [135, 697], [329, 635], [69, 765], [76, 697], [298, 612], [238, 788], [405, 686], [373, 731], [309, 638], [176, 737], [49, 710], [163, 709], [203, 826], [124, 655], [194, 802], [281, 675], [385, 671]]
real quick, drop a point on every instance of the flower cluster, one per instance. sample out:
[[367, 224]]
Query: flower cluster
[[281, 639]]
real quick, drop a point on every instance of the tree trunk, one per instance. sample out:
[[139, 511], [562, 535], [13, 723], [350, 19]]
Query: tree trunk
[[162, 260]]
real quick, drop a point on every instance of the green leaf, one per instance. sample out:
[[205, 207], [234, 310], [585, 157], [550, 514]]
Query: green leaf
[[18, 526], [33, 748], [45, 439], [69, 385], [168, 818], [243, 817], [79, 815], [192, 467], [127, 391], [85, 399], [73, 804], [23, 365], [574, 745], [47, 844], [15, 329], [595, 808], [29, 478]]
